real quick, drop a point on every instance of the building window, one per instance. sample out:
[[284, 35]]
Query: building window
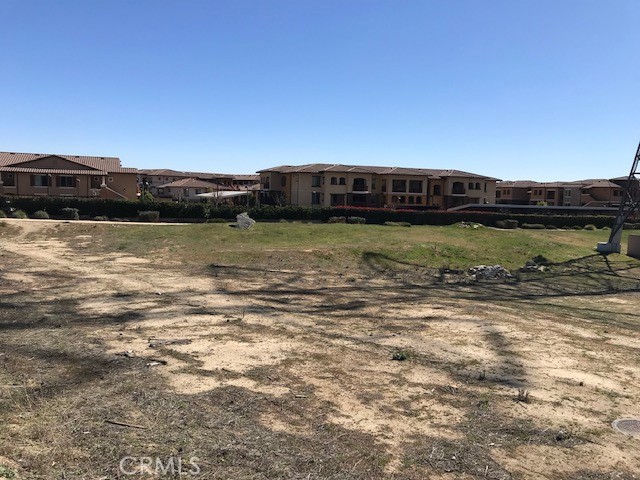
[[198, 191], [457, 188], [373, 184], [617, 193], [477, 185], [8, 180], [437, 189], [567, 193], [415, 186], [316, 180], [551, 195], [402, 199], [343, 181], [337, 199], [419, 200], [399, 186], [186, 192], [470, 185], [411, 199], [359, 184], [39, 180], [265, 183], [334, 181], [283, 181], [66, 182], [315, 198]]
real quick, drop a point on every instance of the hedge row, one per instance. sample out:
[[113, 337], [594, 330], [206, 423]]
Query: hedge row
[[90, 208]]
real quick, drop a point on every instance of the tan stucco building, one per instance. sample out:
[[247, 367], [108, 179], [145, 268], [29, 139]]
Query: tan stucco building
[[36, 174], [330, 185], [581, 193]]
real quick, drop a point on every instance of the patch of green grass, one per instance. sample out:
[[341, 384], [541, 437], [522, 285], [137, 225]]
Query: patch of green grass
[[6, 472], [296, 244]]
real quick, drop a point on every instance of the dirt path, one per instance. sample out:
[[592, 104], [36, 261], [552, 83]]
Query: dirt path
[[328, 344]]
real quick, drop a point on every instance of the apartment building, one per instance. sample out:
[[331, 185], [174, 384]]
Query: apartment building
[[170, 184], [581, 193], [47, 174], [332, 185]]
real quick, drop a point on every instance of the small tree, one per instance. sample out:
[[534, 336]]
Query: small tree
[[146, 197]]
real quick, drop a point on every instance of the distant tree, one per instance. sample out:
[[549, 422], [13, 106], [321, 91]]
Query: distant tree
[[146, 197], [542, 204]]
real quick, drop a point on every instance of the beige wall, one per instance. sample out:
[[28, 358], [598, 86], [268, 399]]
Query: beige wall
[[123, 183], [299, 188]]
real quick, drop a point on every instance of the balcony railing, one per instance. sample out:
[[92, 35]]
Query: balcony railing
[[360, 187]]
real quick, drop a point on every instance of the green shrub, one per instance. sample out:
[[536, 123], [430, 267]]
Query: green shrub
[[2, 214], [356, 220], [337, 220], [149, 216], [507, 224], [590, 227], [68, 213], [101, 218], [18, 214], [533, 226], [576, 227], [40, 215]]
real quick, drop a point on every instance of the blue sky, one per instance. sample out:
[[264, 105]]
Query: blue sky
[[517, 89]]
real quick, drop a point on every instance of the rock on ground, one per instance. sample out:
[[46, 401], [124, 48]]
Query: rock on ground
[[244, 221]]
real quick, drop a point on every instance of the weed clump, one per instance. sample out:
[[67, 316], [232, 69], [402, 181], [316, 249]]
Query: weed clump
[[18, 214], [400, 355], [523, 396]]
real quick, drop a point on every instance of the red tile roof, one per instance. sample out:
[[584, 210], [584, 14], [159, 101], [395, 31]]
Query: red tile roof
[[195, 183], [339, 168], [55, 171], [103, 164]]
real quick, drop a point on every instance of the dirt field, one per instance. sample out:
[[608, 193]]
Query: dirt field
[[282, 366]]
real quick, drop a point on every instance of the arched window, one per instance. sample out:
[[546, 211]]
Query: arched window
[[437, 190], [477, 185], [343, 181], [457, 188], [334, 181]]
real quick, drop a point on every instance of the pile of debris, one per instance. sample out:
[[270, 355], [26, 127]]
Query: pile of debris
[[488, 272], [469, 225]]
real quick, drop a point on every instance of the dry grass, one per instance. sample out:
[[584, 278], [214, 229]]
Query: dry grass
[[286, 370]]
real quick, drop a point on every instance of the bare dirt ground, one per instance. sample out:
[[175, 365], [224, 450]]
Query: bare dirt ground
[[280, 372]]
